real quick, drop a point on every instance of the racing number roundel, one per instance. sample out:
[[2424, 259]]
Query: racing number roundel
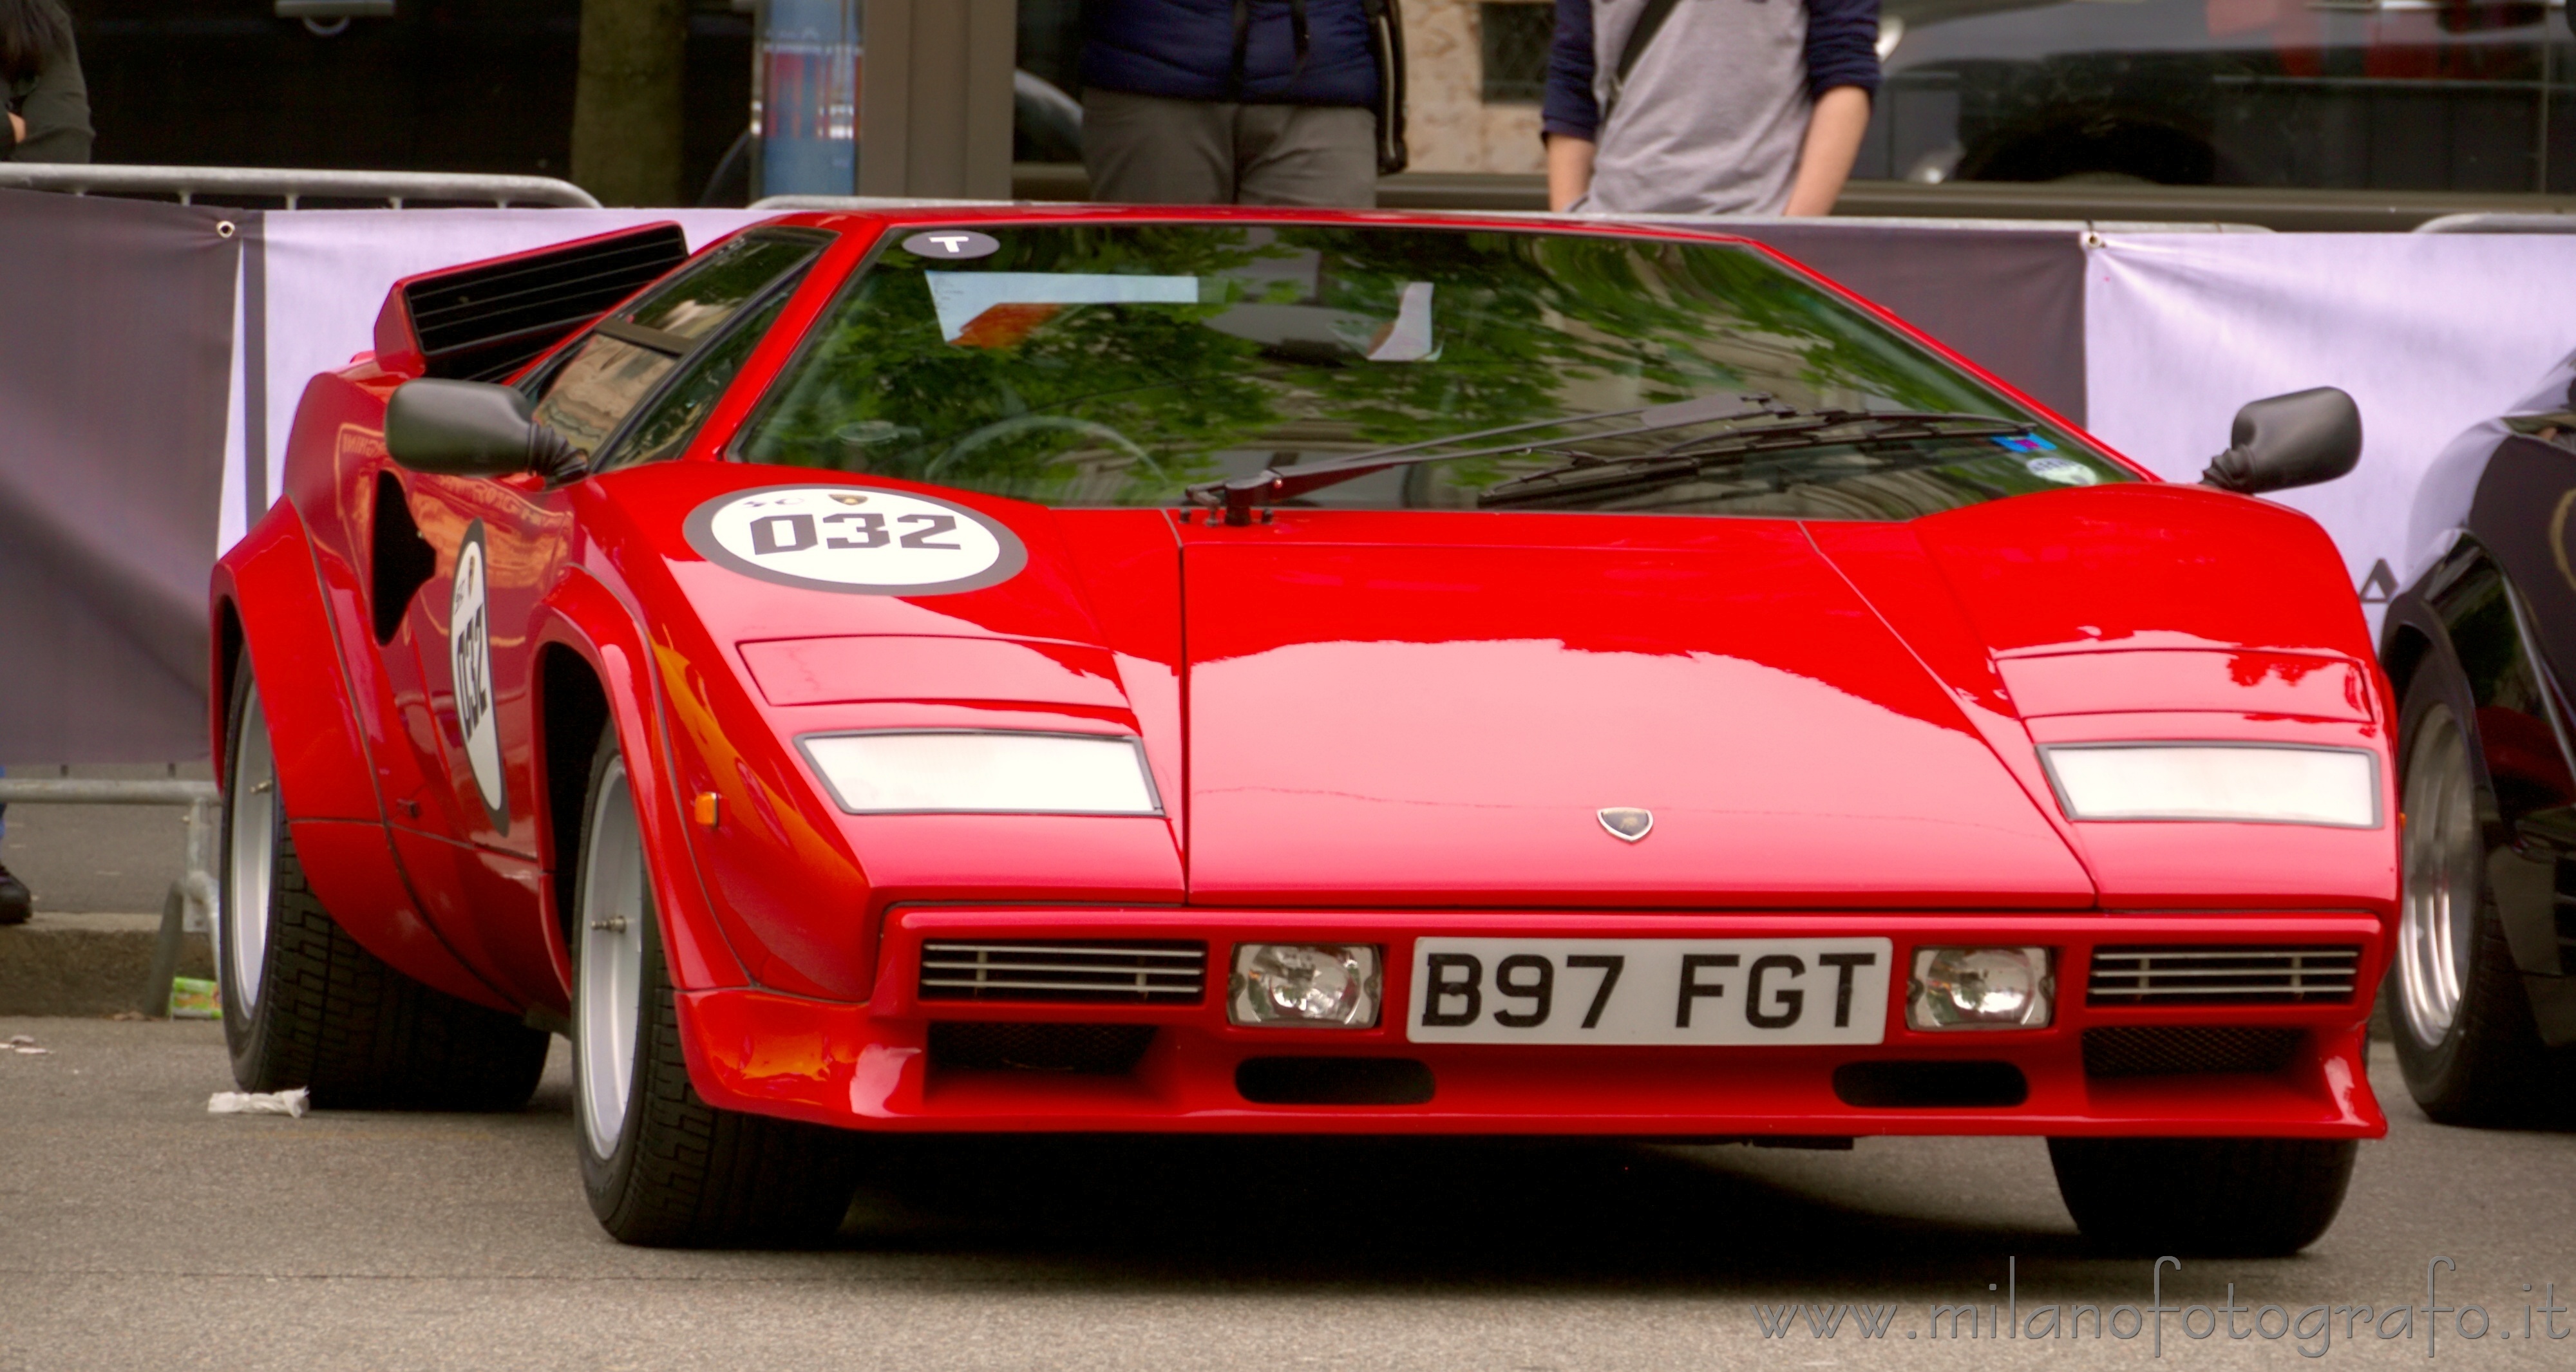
[[469, 655], [864, 542]]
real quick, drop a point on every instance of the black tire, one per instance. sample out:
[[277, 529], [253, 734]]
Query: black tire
[[2240, 1197], [2487, 1066], [685, 1174], [330, 1016]]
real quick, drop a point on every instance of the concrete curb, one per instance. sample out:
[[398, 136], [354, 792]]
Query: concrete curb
[[86, 965]]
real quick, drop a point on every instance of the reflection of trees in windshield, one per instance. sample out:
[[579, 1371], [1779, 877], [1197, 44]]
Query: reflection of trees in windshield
[[1126, 404]]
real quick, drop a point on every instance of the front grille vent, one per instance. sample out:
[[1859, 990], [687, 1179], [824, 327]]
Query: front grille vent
[[1089, 973], [2165, 1050], [1078, 1049], [2222, 975]]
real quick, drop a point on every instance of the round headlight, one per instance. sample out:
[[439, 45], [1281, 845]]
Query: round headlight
[[1980, 987], [1305, 983]]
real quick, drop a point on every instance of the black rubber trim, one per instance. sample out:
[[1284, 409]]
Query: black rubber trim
[[1334, 1081], [1930, 1085]]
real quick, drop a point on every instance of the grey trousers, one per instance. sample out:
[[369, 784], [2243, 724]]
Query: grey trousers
[[1146, 150]]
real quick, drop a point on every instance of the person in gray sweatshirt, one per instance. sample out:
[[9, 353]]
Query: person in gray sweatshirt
[[1723, 106]]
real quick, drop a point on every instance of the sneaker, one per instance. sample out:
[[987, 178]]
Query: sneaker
[[16, 906]]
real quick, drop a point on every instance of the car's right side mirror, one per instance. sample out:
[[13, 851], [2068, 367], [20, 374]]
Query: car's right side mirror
[[2299, 439], [470, 428]]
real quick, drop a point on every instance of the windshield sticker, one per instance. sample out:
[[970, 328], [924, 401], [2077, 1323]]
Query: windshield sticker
[[862, 542], [2065, 471], [2025, 443], [1407, 337], [469, 659], [953, 245], [963, 298]]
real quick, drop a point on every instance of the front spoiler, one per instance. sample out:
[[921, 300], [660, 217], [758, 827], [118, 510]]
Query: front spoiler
[[869, 1066]]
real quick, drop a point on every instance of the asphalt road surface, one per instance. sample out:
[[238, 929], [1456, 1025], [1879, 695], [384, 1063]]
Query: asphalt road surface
[[136, 1231]]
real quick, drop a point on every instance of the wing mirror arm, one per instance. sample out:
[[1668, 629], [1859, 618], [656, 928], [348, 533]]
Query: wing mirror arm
[[2299, 439], [469, 428]]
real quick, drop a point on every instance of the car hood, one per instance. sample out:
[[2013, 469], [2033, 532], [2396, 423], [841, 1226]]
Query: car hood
[[1435, 722], [1415, 708]]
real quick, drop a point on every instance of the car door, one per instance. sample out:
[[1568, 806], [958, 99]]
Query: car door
[[472, 844]]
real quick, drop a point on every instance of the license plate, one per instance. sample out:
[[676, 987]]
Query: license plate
[[1709, 991]]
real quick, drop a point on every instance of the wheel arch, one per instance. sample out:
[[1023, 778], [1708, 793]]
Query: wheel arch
[[2438, 624], [225, 674], [268, 609], [595, 669], [273, 623], [2405, 647]]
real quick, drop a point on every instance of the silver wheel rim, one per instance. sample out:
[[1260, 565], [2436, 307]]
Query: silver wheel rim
[[250, 868], [608, 985], [2443, 855]]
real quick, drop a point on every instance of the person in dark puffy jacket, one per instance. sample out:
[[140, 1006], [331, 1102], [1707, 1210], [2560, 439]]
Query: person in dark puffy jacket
[[1253, 102]]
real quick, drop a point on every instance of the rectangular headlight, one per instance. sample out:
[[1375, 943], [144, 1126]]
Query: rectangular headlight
[[987, 772], [1981, 988], [2261, 783], [1305, 986]]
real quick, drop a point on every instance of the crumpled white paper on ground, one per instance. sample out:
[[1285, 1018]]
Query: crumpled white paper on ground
[[295, 1103]]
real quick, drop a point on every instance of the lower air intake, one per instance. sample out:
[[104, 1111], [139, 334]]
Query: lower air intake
[[1101, 1050], [2184, 1050], [1930, 1085], [1334, 1081]]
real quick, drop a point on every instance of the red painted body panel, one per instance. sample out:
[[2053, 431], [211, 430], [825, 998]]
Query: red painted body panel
[[1441, 712], [861, 670], [2276, 684], [268, 579], [868, 1066], [322, 775], [356, 876], [583, 614], [1364, 726]]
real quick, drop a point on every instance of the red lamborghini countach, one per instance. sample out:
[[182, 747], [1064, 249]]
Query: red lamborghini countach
[[1047, 669]]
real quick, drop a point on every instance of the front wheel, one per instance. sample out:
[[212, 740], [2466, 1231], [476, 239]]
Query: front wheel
[[661, 1167], [2244, 1197]]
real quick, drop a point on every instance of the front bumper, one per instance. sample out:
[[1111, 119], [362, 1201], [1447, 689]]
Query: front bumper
[[874, 1066]]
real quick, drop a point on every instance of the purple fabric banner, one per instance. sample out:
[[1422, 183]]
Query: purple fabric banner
[[116, 330]]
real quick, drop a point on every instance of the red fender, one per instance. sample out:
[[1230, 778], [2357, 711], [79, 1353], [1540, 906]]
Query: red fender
[[584, 616], [268, 582]]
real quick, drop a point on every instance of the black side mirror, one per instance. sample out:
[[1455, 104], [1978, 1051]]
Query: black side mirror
[[468, 428], [2299, 439]]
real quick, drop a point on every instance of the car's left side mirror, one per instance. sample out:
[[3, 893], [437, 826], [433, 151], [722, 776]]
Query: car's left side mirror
[[2299, 439], [469, 428]]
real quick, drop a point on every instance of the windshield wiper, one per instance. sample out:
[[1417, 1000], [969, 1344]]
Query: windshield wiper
[[1586, 473], [1239, 497]]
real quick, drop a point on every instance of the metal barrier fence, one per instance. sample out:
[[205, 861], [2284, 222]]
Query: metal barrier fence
[[189, 908], [293, 186], [2492, 222]]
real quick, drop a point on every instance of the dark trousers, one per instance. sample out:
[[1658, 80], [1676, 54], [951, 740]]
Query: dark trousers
[[1147, 150]]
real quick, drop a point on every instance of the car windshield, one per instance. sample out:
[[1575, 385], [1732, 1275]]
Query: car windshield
[[1106, 365]]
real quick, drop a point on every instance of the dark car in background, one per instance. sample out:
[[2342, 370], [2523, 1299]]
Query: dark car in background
[[2481, 997], [2392, 95]]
